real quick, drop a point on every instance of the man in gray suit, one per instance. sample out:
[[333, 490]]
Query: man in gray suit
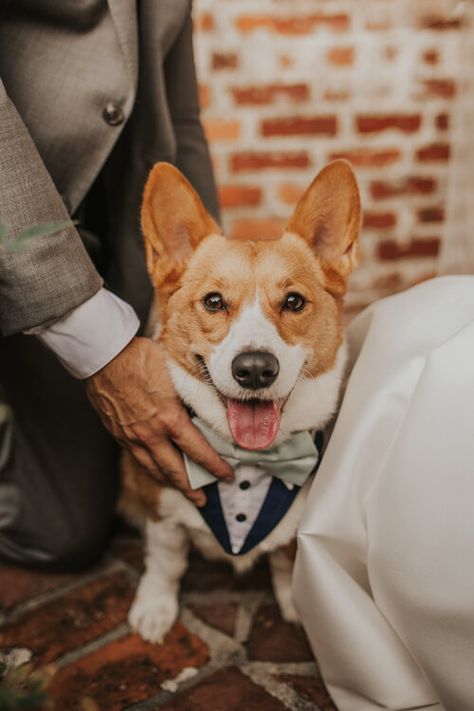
[[92, 94]]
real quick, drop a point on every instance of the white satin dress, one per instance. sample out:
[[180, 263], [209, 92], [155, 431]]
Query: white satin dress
[[384, 576]]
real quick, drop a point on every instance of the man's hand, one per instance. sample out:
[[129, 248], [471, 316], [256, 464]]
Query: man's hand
[[138, 404]]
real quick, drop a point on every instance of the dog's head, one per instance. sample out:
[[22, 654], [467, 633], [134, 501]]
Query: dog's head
[[253, 329]]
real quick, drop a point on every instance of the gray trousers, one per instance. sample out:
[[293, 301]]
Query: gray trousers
[[58, 464]]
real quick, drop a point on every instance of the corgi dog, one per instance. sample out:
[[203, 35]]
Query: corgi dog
[[254, 336]]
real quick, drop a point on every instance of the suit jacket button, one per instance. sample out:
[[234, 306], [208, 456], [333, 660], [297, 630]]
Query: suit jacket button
[[113, 114]]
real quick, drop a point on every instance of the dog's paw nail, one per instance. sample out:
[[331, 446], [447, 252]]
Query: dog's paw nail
[[152, 619]]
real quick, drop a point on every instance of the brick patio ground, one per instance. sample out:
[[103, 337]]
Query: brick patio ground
[[229, 651]]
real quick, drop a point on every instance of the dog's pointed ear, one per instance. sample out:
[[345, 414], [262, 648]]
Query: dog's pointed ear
[[328, 218], [174, 221]]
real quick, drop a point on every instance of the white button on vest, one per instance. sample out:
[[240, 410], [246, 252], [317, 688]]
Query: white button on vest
[[239, 502]]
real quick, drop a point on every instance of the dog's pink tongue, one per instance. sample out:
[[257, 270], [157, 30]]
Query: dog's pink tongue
[[254, 425]]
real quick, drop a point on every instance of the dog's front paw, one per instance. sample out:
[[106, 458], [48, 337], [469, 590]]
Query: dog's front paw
[[152, 616]]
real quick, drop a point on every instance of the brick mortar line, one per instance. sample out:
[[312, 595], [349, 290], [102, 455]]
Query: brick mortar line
[[81, 652], [17, 611], [244, 619], [227, 596], [288, 696], [219, 643], [263, 674], [297, 668]]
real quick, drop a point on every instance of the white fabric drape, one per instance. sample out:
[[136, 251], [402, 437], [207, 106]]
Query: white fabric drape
[[384, 576]]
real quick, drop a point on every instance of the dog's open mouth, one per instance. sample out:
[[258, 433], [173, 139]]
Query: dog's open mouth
[[254, 424]]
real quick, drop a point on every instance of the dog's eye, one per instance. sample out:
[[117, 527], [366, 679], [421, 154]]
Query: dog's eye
[[214, 301], [293, 302]]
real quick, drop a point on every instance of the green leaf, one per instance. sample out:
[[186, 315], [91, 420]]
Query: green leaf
[[24, 237], [23, 688], [3, 231]]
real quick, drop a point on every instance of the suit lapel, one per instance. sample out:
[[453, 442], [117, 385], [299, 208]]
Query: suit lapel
[[214, 516], [276, 504], [124, 15]]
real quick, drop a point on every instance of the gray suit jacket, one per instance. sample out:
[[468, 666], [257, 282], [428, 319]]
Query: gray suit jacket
[[61, 65]]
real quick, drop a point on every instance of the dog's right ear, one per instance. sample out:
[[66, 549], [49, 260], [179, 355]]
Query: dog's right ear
[[174, 221], [328, 218]]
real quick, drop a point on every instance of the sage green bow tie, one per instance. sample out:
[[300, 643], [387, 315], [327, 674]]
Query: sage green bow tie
[[292, 462]]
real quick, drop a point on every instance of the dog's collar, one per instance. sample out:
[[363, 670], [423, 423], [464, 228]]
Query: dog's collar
[[292, 462]]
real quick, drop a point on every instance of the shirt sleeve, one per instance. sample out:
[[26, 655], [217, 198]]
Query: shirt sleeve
[[92, 334]]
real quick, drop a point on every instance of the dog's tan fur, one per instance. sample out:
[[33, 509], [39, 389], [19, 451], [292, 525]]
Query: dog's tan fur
[[188, 257]]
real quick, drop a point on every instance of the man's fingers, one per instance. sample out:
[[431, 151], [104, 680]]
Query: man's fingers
[[172, 466], [196, 446], [161, 477], [147, 462]]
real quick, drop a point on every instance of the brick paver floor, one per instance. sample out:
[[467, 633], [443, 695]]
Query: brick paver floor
[[229, 651]]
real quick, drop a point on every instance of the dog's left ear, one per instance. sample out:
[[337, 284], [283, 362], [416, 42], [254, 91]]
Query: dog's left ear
[[174, 221], [328, 218]]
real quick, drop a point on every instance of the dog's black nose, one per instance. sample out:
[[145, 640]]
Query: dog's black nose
[[255, 369]]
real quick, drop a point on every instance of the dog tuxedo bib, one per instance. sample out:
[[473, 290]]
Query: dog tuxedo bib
[[243, 512]]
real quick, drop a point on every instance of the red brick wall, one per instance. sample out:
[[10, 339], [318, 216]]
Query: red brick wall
[[288, 85]]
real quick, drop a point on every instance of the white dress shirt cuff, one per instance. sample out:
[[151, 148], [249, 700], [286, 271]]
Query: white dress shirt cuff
[[92, 334]]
